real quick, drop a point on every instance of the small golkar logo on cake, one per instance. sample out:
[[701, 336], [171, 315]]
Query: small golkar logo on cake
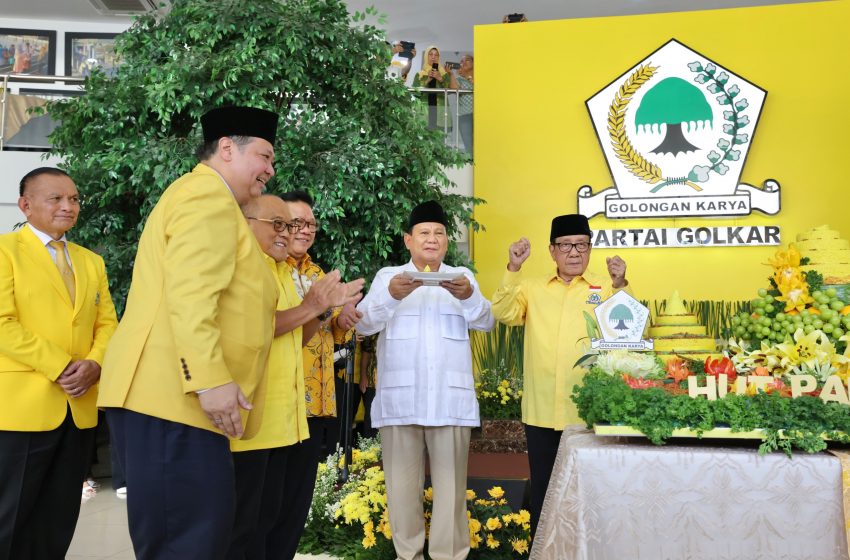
[[621, 320], [675, 130]]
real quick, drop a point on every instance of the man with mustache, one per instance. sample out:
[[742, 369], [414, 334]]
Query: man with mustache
[[425, 399], [551, 308], [56, 318]]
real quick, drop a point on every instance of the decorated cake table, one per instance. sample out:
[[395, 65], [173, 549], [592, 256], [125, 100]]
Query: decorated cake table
[[615, 497], [780, 374]]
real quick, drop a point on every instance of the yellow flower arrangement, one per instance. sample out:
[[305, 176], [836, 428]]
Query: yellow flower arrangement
[[794, 291], [520, 546], [808, 353], [499, 395], [354, 514], [789, 279], [384, 525], [786, 259]]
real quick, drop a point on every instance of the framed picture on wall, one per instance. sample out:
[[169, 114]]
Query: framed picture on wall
[[27, 51], [86, 51]]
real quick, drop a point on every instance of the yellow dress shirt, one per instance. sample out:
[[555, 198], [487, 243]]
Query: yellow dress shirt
[[285, 412], [555, 338], [318, 353]]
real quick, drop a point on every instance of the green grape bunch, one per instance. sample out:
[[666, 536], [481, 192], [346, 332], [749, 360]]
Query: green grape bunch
[[766, 321]]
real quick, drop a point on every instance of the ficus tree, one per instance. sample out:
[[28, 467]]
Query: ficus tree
[[348, 135]]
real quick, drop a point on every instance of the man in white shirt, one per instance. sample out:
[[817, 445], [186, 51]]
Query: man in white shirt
[[425, 399]]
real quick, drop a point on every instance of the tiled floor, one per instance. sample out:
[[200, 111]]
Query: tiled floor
[[102, 529]]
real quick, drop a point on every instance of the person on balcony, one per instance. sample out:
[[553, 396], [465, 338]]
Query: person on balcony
[[433, 75], [400, 65], [551, 308], [425, 399], [463, 79]]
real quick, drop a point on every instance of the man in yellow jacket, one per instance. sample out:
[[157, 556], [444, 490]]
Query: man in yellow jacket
[[56, 318], [189, 357]]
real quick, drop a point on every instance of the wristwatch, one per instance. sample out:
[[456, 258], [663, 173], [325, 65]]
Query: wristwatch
[[326, 315]]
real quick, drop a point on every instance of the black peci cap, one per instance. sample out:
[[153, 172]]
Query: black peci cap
[[569, 224], [239, 121], [430, 211]]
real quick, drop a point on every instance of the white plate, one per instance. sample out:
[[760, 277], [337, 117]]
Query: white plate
[[432, 278]]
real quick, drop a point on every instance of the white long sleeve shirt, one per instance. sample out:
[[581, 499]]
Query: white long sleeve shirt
[[424, 358]]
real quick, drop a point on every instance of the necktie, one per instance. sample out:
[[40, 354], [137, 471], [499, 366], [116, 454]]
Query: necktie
[[64, 268]]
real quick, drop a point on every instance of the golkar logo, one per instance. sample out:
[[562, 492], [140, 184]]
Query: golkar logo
[[621, 320], [675, 130]]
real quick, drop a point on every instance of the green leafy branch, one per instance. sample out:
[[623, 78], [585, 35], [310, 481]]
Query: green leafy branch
[[736, 120]]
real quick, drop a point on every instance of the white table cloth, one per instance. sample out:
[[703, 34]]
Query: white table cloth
[[613, 498]]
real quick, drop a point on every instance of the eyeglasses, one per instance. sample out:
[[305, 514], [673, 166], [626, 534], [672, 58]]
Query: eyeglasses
[[278, 225], [581, 247], [300, 224]]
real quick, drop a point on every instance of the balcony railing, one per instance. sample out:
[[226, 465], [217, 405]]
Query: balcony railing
[[20, 129], [447, 115]]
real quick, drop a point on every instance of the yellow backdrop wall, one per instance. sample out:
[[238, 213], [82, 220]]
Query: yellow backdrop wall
[[535, 144]]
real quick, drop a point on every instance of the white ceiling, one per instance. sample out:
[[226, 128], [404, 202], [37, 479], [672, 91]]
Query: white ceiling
[[447, 23], [62, 10]]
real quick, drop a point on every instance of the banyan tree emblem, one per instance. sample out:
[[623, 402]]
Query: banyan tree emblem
[[620, 316], [621, 320], [675, 130]]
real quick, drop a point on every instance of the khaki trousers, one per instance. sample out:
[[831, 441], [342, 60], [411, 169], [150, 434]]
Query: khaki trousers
[[403, 451]]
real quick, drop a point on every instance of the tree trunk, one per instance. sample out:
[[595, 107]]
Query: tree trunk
[[674, 142]]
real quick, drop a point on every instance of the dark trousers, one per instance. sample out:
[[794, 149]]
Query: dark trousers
[[367, 429], [118, 480], [304, 460], [180, 486], [41, 476], [542, 450], [324, 435], [268, 523]]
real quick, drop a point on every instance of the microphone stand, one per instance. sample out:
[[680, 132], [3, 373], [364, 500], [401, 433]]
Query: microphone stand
[[347, 412]]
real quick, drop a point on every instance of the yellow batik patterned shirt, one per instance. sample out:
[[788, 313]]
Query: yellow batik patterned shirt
[[318, 353]]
